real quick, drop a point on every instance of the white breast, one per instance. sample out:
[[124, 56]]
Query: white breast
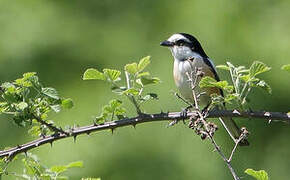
[[181, 68]]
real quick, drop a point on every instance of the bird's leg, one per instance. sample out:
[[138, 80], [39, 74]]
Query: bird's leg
[[183, 115], [205, 110], [184, 111]]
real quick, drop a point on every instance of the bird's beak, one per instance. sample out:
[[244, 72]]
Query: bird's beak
[[166, 43]]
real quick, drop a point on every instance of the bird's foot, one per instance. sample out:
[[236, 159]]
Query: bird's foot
[[205, 111], [183, 115]]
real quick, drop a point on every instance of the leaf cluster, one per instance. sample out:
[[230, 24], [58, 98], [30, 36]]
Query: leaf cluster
[[243, 81], [135, 81], [26, 98]]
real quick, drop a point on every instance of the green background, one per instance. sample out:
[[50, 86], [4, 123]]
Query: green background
[[60, 39]]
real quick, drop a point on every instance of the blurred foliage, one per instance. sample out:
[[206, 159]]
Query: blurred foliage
[[60, 39], [34, 170]]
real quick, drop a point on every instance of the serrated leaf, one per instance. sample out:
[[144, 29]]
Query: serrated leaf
[[131, 68], [207, 82], [115, 103], [150, 96], [93, 74], [143, 63], [112, 74], [257, 68], [131, 91], [58, 169], [22, 106], [286, 67], [67, 103], [223, 67], [262, 84], [56, 108], [148, 80], [75, 164], [230, 97], [246, 78], [143, 74], [259, 175], [29, 75], [50, 92]]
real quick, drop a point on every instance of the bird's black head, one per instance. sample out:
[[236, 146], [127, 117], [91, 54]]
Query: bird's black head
[[183, 40]]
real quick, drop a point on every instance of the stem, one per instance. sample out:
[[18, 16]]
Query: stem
[[232, 76], [132, 98]]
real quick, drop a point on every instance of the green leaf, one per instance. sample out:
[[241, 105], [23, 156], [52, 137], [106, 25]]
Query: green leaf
[[150, 96], [115, 103], [112, 74], [231, 97], [246, 78], [58, 169], [286, 67], [143, 63], [147, 80], [262, 84], [223, 67], [62, 178], [259, 175], [131, 91], [207, 82], [91, 178], [257, 68], [143, 74], [93, 74], [75, 164], [67, 103], [131, 68], [56, 108], [50, 92], [29, 75], [21, 106]]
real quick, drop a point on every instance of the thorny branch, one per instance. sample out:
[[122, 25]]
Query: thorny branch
[[144, 118]]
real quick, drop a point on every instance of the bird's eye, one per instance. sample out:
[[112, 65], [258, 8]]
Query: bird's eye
[[180, 43]]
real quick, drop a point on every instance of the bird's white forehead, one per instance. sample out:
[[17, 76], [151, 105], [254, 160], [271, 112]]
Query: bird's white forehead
[[176, 37]]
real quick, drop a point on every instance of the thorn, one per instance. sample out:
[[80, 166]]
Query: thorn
[[75, 138], [50, 144], [25, 153], [270, 120], [268, 114], [88, 133], [134, 125], [112, 131], [236, 112]]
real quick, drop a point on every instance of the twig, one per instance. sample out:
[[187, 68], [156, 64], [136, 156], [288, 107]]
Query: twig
[[209, 131], [50, 126]]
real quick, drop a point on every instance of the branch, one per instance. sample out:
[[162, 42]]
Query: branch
[[144, 118]]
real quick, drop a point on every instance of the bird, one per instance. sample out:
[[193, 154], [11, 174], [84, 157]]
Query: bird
[[188, 56]]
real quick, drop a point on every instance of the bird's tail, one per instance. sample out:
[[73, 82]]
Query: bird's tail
[[233, 130]]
